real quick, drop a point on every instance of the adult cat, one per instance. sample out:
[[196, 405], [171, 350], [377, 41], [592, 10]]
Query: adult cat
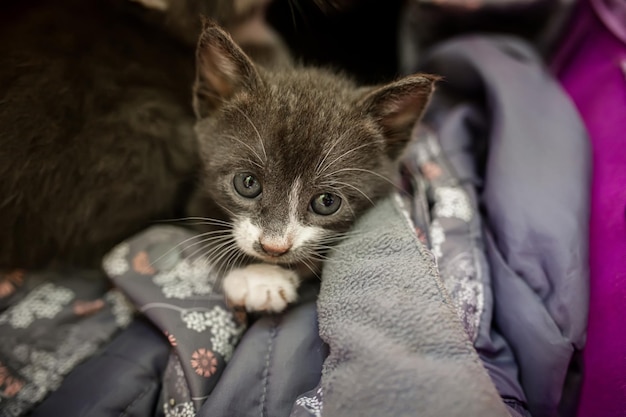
[[290, 157], [96, 122]]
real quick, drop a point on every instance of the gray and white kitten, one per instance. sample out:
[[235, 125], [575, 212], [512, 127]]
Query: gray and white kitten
[[291, 156]]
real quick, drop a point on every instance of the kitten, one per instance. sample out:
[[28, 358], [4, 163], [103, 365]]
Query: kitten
[[290, 157]]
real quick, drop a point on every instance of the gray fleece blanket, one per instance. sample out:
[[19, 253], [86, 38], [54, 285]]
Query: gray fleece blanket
[[397, 346]]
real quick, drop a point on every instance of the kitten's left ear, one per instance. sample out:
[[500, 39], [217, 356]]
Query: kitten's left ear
[[222, 69], [396, 107]]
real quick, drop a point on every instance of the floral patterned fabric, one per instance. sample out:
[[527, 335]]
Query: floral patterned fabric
[[163, 274], [49, 323], [451, 222], [520, 154]]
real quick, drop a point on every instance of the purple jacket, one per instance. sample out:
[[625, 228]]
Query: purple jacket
[[591, 64]]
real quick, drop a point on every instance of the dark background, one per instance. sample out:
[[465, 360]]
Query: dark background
[[361, 40]]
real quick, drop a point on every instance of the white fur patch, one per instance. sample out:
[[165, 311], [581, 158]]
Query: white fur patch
[[294, 194], [261, 287], [304, 234], [298, 233], [246, 235]]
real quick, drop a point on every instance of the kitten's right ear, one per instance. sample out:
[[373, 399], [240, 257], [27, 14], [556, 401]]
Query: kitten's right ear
[[397, 106], [222, 69]]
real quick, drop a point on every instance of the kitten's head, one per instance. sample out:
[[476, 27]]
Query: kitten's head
[[294, 156]]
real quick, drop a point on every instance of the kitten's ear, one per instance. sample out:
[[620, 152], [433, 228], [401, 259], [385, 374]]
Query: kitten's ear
[[396, 107], [222, 69]]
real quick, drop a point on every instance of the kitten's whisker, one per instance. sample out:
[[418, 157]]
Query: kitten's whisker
[[205, 254], [199, 223], [349, 206], [201, 220], [311, 268], [201, 235], [256, 130], [317, 252], [206, 240], [320, 167], [228, 259], [241, 257], [343, 197], [346, 153], [247, 146], [215, 248], [357, 189], [367, 171], [228, 250], [226, 209], [332, 261], [232, 258], [223, 268], [241, 260], [255, 163], [213, 257], [342, 236], [322, 258], [329, 257], [214, 245]]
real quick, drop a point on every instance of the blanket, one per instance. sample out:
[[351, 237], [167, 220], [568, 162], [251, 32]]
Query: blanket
[[397, 346], [384, 315]]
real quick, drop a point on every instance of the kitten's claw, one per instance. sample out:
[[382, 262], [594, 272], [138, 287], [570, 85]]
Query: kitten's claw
[[261, 287]]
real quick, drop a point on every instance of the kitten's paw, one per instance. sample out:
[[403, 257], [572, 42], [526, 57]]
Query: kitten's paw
[[261, 287]]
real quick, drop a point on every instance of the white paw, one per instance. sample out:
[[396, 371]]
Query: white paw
[[261, 287]]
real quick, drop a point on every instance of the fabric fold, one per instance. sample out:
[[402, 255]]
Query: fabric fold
[[511, 132]]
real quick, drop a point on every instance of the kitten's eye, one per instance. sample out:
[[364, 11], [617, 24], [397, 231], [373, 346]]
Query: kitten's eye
[[325, 204], [247, 185]]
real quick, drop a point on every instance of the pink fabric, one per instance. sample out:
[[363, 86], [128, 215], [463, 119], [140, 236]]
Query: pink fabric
[[592, 67]]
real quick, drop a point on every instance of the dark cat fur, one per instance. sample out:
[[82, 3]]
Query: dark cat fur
[[96, 138], [300, 132]]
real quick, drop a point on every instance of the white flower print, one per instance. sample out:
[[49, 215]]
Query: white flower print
[[225, 332], [45, 370], [115, 262], [179, 410], [45, 301], [452, 202], [312, 404], [186, 279], [223, 342], [195, 321]]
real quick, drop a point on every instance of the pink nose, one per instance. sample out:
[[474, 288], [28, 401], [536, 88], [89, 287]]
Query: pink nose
[[274, 250]]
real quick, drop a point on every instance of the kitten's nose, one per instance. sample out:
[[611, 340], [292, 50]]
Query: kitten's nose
[[273, 249]]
